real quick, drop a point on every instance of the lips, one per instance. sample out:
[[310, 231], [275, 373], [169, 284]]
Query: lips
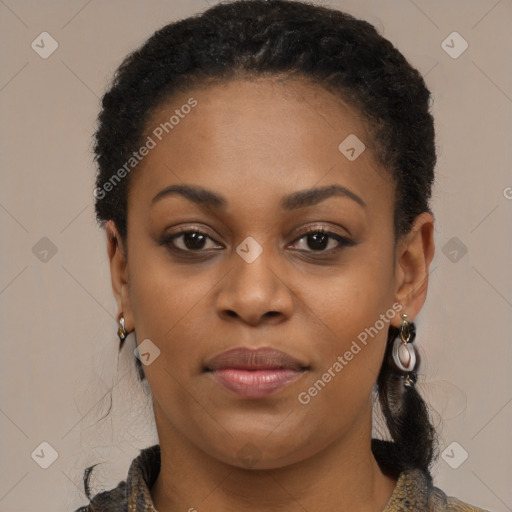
[[254, 373]]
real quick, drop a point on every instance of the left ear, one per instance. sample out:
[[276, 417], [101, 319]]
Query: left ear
[[414, 253]]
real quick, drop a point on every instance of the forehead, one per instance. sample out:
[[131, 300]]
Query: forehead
[[256, 138]]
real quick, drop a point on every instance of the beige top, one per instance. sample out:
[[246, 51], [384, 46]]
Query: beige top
[[413, 491]]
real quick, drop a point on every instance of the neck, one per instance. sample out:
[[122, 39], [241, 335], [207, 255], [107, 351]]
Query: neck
[[343, 476]]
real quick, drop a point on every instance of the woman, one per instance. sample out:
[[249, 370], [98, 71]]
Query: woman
[[265, 170]]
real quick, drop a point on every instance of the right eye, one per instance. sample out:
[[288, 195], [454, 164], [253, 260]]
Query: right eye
[[190, 240]]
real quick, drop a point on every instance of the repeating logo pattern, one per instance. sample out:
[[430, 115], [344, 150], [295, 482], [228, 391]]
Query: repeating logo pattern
[[50, 95]]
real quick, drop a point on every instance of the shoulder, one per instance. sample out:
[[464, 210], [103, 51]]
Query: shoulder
[[114, 500], [132, 492], [438, 500], [416, 492], [434, 499]]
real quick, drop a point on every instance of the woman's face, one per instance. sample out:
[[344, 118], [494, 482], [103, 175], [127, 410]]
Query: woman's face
[[267, 156]]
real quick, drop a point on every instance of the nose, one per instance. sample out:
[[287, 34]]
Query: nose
[[255, 292]]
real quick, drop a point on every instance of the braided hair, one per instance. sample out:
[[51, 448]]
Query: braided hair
[[252, 38]]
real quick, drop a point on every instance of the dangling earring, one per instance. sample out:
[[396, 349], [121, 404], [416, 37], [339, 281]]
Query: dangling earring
[[403, 351], [121, 332]]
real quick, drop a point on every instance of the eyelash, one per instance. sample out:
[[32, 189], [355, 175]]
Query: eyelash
[[168, 240]]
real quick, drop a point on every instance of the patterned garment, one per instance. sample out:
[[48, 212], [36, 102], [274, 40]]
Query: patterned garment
[[413, 492]]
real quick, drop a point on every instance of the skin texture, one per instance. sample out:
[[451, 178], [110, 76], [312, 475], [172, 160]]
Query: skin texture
[[253, 142]]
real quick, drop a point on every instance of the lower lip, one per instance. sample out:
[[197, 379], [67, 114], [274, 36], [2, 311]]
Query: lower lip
[[255, 383]]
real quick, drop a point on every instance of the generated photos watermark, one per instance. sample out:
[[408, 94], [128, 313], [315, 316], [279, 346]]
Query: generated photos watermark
[[151, 142], [304, 397]]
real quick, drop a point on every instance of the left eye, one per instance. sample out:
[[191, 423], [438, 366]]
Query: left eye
[[318, 240]]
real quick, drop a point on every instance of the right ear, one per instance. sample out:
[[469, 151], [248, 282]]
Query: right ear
[[119, 274]]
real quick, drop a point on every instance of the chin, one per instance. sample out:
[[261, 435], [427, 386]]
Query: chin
[[265, 448]]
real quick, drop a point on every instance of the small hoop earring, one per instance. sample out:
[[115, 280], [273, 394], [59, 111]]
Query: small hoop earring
[[121, 332], [404, 355]]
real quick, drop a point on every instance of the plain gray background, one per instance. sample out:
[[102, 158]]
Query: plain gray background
[[59, 344]]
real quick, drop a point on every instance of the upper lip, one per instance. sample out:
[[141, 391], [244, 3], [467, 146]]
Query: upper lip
[[264, 358]]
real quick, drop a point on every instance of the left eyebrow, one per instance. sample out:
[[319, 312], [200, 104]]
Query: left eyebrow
[[294, 201], [312, 196]]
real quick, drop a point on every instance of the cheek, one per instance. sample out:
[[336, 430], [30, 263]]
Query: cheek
[[165, 305], [350, 328], [349, 300], [166, 312], [349, 355]]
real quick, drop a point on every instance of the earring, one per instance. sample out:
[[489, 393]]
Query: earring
[[403, 351], [121, 332]]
